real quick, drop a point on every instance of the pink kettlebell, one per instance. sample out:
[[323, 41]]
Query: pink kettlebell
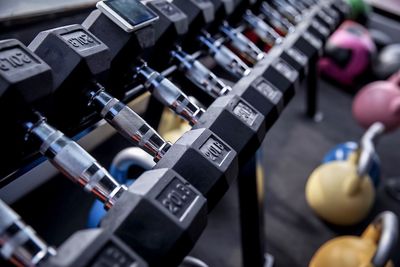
[[379, 102], [348, 53]]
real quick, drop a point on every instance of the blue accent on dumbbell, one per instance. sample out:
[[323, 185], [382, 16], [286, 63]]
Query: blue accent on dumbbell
[[342, 152], [97, 212]]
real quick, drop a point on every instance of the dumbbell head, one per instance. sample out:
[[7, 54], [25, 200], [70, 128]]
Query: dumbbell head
[[74, 54], [25, 83], [201, 12], [170, 29], [161, 216], [125, 46], [205, 160], [123, 43], [318, 30], [171, 19], [262, 95], [299, 53], [95, 247], [224, 7], [21, 246], [24, 78], [238, 123], [280, 74], [309, 44]]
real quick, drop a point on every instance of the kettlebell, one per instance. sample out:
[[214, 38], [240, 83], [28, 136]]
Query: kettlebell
[[345, 150], [365, 152], [387, 62], [380, 39], [348, 54], [379, 101], [338, 194], [372, 249], [119, 169]]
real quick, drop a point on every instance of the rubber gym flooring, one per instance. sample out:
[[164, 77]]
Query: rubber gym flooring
[[293, 148]]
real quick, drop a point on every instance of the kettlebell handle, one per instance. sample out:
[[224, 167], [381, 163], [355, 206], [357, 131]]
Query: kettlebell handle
[[384, 230], [367, 148]]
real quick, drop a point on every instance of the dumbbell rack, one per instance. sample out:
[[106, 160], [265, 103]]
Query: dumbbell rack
[[251, 203], [251, 176]]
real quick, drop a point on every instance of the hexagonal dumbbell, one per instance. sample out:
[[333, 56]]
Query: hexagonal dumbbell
[[74, 162], [23, 247], [134, 128], [88, 61], [260, 93], [160, 203]]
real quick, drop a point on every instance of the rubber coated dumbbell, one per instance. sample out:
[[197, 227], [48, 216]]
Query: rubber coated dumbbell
[[224, 57], [199, 13], [224, 8], [268, 36], [99, 25], [298, 50], [230, 117], [214, 159], [280, 24], [23, 247], [173, 27], [260, 93], [93, 58], [145, 197], [287, 11], [161, 207], [241, 45]]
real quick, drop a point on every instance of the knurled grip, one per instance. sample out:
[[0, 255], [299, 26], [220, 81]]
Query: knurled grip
[[170, 95], [77, 164], [242, 43], [132, 126], [19, 242], [200, 75]]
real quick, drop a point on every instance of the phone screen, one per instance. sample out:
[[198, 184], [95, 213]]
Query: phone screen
[[133, 11]]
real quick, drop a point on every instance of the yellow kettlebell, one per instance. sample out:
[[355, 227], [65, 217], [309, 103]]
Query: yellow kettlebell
[[372, 249], [172, 127], [338, 195]]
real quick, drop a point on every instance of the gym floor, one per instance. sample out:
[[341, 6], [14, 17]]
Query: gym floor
[[292, 149]]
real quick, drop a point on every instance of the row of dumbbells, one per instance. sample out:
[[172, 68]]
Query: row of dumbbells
[[104, 51], [158, 219]]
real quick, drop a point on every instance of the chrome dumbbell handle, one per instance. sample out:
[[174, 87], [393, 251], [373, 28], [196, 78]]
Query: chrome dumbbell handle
[[298, 5], [367, 150], [278, 20], [242, 43], [389, 225], [291, 13], [169, 94], [75, 163], [130, 124], [200, 75], [225, 57], [266, 32], [19, 243]]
